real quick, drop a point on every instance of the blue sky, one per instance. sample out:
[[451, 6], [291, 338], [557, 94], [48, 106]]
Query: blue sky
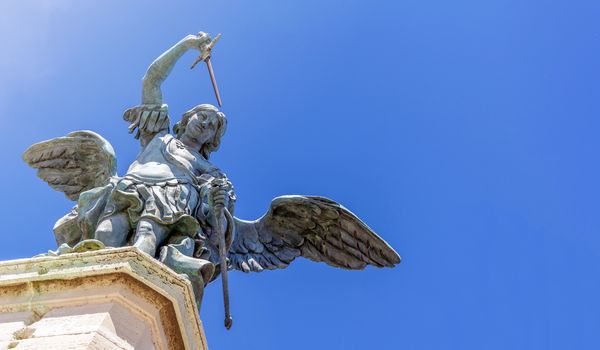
[[464, 132]]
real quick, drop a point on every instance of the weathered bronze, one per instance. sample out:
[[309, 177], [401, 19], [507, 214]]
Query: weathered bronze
[[175, 205]]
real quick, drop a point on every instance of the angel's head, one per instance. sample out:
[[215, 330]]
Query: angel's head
[[202, 127]]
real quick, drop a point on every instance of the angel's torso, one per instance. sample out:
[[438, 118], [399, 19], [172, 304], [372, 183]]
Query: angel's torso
[[166, 158]]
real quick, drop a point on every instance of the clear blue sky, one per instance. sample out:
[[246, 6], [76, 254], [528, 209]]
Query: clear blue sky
[[464, 132]]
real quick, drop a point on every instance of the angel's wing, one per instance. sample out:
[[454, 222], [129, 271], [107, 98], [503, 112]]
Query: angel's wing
[[74, 163], [316, 228]]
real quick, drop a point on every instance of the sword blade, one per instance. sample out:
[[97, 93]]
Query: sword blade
[[213, 80], [223, 266]]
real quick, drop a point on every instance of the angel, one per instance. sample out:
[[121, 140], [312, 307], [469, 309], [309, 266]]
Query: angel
[[158, 202], [175, 205]]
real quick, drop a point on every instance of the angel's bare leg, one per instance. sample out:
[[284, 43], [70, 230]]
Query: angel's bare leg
[[113, 230], [149, 235]]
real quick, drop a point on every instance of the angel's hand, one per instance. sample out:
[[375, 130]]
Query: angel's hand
[[198, 41], [218, 196], [220, 192], [148, 119]]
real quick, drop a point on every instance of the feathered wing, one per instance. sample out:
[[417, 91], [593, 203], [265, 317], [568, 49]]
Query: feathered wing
[[316, 228], [74, 163]]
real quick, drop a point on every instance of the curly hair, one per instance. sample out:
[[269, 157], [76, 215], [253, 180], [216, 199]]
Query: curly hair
[[212, 145]]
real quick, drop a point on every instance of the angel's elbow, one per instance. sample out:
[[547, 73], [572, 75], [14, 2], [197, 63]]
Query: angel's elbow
[[151, 75], [147, 83], [148, 79]]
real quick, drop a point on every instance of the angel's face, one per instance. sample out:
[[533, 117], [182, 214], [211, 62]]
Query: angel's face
[[201, 128]]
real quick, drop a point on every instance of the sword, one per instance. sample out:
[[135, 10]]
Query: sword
[[205, 56], [219, 210]]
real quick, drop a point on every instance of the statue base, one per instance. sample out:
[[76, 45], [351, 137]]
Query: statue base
[[117, 298]]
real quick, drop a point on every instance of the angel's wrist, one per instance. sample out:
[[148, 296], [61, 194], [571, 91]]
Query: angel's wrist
[[154, 106]]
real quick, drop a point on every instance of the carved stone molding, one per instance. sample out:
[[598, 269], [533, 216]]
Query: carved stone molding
[[115, 298]]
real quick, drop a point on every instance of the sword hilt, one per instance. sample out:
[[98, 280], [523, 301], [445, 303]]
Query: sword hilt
[[206, 52]]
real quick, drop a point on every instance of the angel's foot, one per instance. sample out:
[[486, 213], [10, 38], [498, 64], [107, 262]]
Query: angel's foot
[[83, 246], [198, 271], [62, 249]]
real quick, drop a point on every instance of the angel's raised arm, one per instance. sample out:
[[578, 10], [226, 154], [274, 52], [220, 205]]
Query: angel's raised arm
[[162, 66], [151, 117]]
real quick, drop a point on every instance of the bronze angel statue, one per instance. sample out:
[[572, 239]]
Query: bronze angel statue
[[177, 206]]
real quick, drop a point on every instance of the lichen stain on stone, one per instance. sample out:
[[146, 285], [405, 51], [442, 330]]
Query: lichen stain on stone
[[38, 312], [23, 333], [38, 288], [16, 290]]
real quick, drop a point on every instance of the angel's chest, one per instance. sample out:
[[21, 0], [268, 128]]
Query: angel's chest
[[191, 160]]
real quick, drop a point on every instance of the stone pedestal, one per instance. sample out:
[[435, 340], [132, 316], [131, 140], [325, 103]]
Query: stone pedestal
[[106, 299]]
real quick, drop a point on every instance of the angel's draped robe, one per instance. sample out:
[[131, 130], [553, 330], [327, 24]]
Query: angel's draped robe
[[162, 184]]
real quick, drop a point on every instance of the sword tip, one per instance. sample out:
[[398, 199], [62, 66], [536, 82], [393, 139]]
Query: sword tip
[[228, 322]]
